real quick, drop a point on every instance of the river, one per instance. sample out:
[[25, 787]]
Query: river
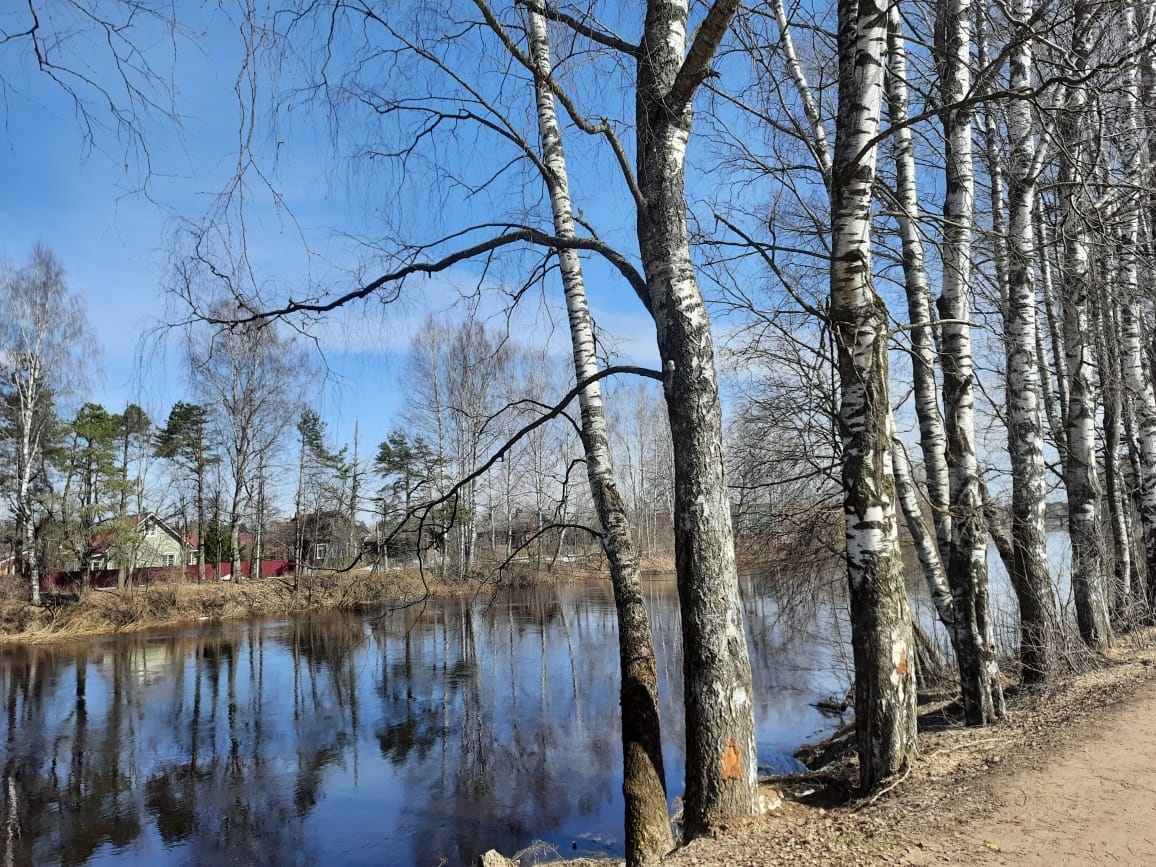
[[422, 737]]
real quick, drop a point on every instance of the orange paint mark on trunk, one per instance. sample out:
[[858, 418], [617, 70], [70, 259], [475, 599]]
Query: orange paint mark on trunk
[[732, 762], [902, 666]]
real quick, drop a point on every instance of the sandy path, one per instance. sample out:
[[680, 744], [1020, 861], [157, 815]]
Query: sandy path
[[1093, 803]]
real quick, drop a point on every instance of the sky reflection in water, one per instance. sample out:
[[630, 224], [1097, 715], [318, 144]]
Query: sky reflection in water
[[442, 732]]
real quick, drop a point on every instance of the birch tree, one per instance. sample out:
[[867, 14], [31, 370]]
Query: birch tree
[[660, 73], [881, 633], [1081, 471], [648, 833], [248, 378], [44, 340], [721, 770], [1029, 572], [967, 559]]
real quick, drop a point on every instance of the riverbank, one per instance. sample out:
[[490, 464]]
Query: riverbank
[[1064, 779], [161, 604]]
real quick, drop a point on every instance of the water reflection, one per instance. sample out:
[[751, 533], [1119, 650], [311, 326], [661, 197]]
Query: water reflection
[[424, 738]]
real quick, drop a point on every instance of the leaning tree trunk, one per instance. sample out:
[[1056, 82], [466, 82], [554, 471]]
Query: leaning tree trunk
[[1029, 573], [923, 542], [932, 437], [967, 563], [1081, 473], [881, 633], [648, 833], [721, 767]]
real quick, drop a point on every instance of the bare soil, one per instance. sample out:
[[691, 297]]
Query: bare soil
[[1069, 778]]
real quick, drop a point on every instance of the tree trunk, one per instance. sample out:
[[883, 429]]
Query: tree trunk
[[967, 563], [1119, 509], [1029, 575], [1081, 473], [648, 833], [924, 544], [201, 514], [721, 765], [932, 438], [881, 634]]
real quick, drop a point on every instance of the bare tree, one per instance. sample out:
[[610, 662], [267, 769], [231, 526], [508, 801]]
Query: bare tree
[[881, 633], [44, 340], [248, 377], [648, 835], [967, 558], [664, 71]]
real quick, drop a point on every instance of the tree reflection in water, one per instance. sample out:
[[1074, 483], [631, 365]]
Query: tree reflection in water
[[433, 733]]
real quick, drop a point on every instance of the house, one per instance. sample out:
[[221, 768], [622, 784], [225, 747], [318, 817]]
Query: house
[[152, 543]]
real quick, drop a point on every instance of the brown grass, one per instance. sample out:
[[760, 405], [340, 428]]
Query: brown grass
[[160, 604]]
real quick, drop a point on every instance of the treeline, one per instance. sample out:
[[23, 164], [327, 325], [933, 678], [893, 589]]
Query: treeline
[[244, 472]]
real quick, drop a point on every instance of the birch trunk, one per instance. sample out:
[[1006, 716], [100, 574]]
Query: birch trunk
[[995, 165], [1138, 382], [1137, 375], [967, 563], [818, 139], [201, 512], [648, 833], [1107, 329], [932, 437], [881, 633], [27, 456], [721, 768], [1081, 474], [1029, 573], [1055, 395], [925, 548]]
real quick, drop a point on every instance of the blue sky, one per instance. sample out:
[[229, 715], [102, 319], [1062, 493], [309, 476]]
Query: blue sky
[[83, 200]]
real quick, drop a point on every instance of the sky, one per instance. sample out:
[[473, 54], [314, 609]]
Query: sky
[[110, 221]]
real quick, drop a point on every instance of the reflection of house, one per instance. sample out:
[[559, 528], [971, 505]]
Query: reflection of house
[[153, 542]]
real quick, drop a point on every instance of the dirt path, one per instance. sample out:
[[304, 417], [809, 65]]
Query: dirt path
[[1095, 803]]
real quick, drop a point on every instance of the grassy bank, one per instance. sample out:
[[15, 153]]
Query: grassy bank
[[102, 612]]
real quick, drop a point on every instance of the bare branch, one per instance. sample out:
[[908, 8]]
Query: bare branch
[[394, 279]]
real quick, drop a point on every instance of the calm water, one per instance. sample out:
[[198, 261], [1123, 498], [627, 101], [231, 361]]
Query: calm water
[[424, 738]]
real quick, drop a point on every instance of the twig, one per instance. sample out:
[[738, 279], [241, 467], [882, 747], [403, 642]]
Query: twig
[[870, 803]]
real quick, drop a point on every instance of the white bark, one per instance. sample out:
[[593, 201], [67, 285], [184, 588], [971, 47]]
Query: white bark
[[1138, 375], [43, 339], [721, 768], [1029, 574], [1081, 473], [818, 140], [967, 564], [881, 635], [932, 437], [648, 834]]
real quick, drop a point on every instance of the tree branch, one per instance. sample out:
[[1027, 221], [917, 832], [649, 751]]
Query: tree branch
[[522, 234], [695, 68]]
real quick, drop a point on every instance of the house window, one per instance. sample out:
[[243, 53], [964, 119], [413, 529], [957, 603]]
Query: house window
[[319, 551], [150, 529], [168, 559]]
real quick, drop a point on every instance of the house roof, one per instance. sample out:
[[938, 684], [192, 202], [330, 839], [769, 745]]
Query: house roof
[[100, 541]]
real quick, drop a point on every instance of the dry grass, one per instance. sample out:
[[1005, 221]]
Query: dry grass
[[159, 604]]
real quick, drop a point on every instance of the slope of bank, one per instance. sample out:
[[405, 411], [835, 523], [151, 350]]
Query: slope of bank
[[103, 612], [1067, 778]]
